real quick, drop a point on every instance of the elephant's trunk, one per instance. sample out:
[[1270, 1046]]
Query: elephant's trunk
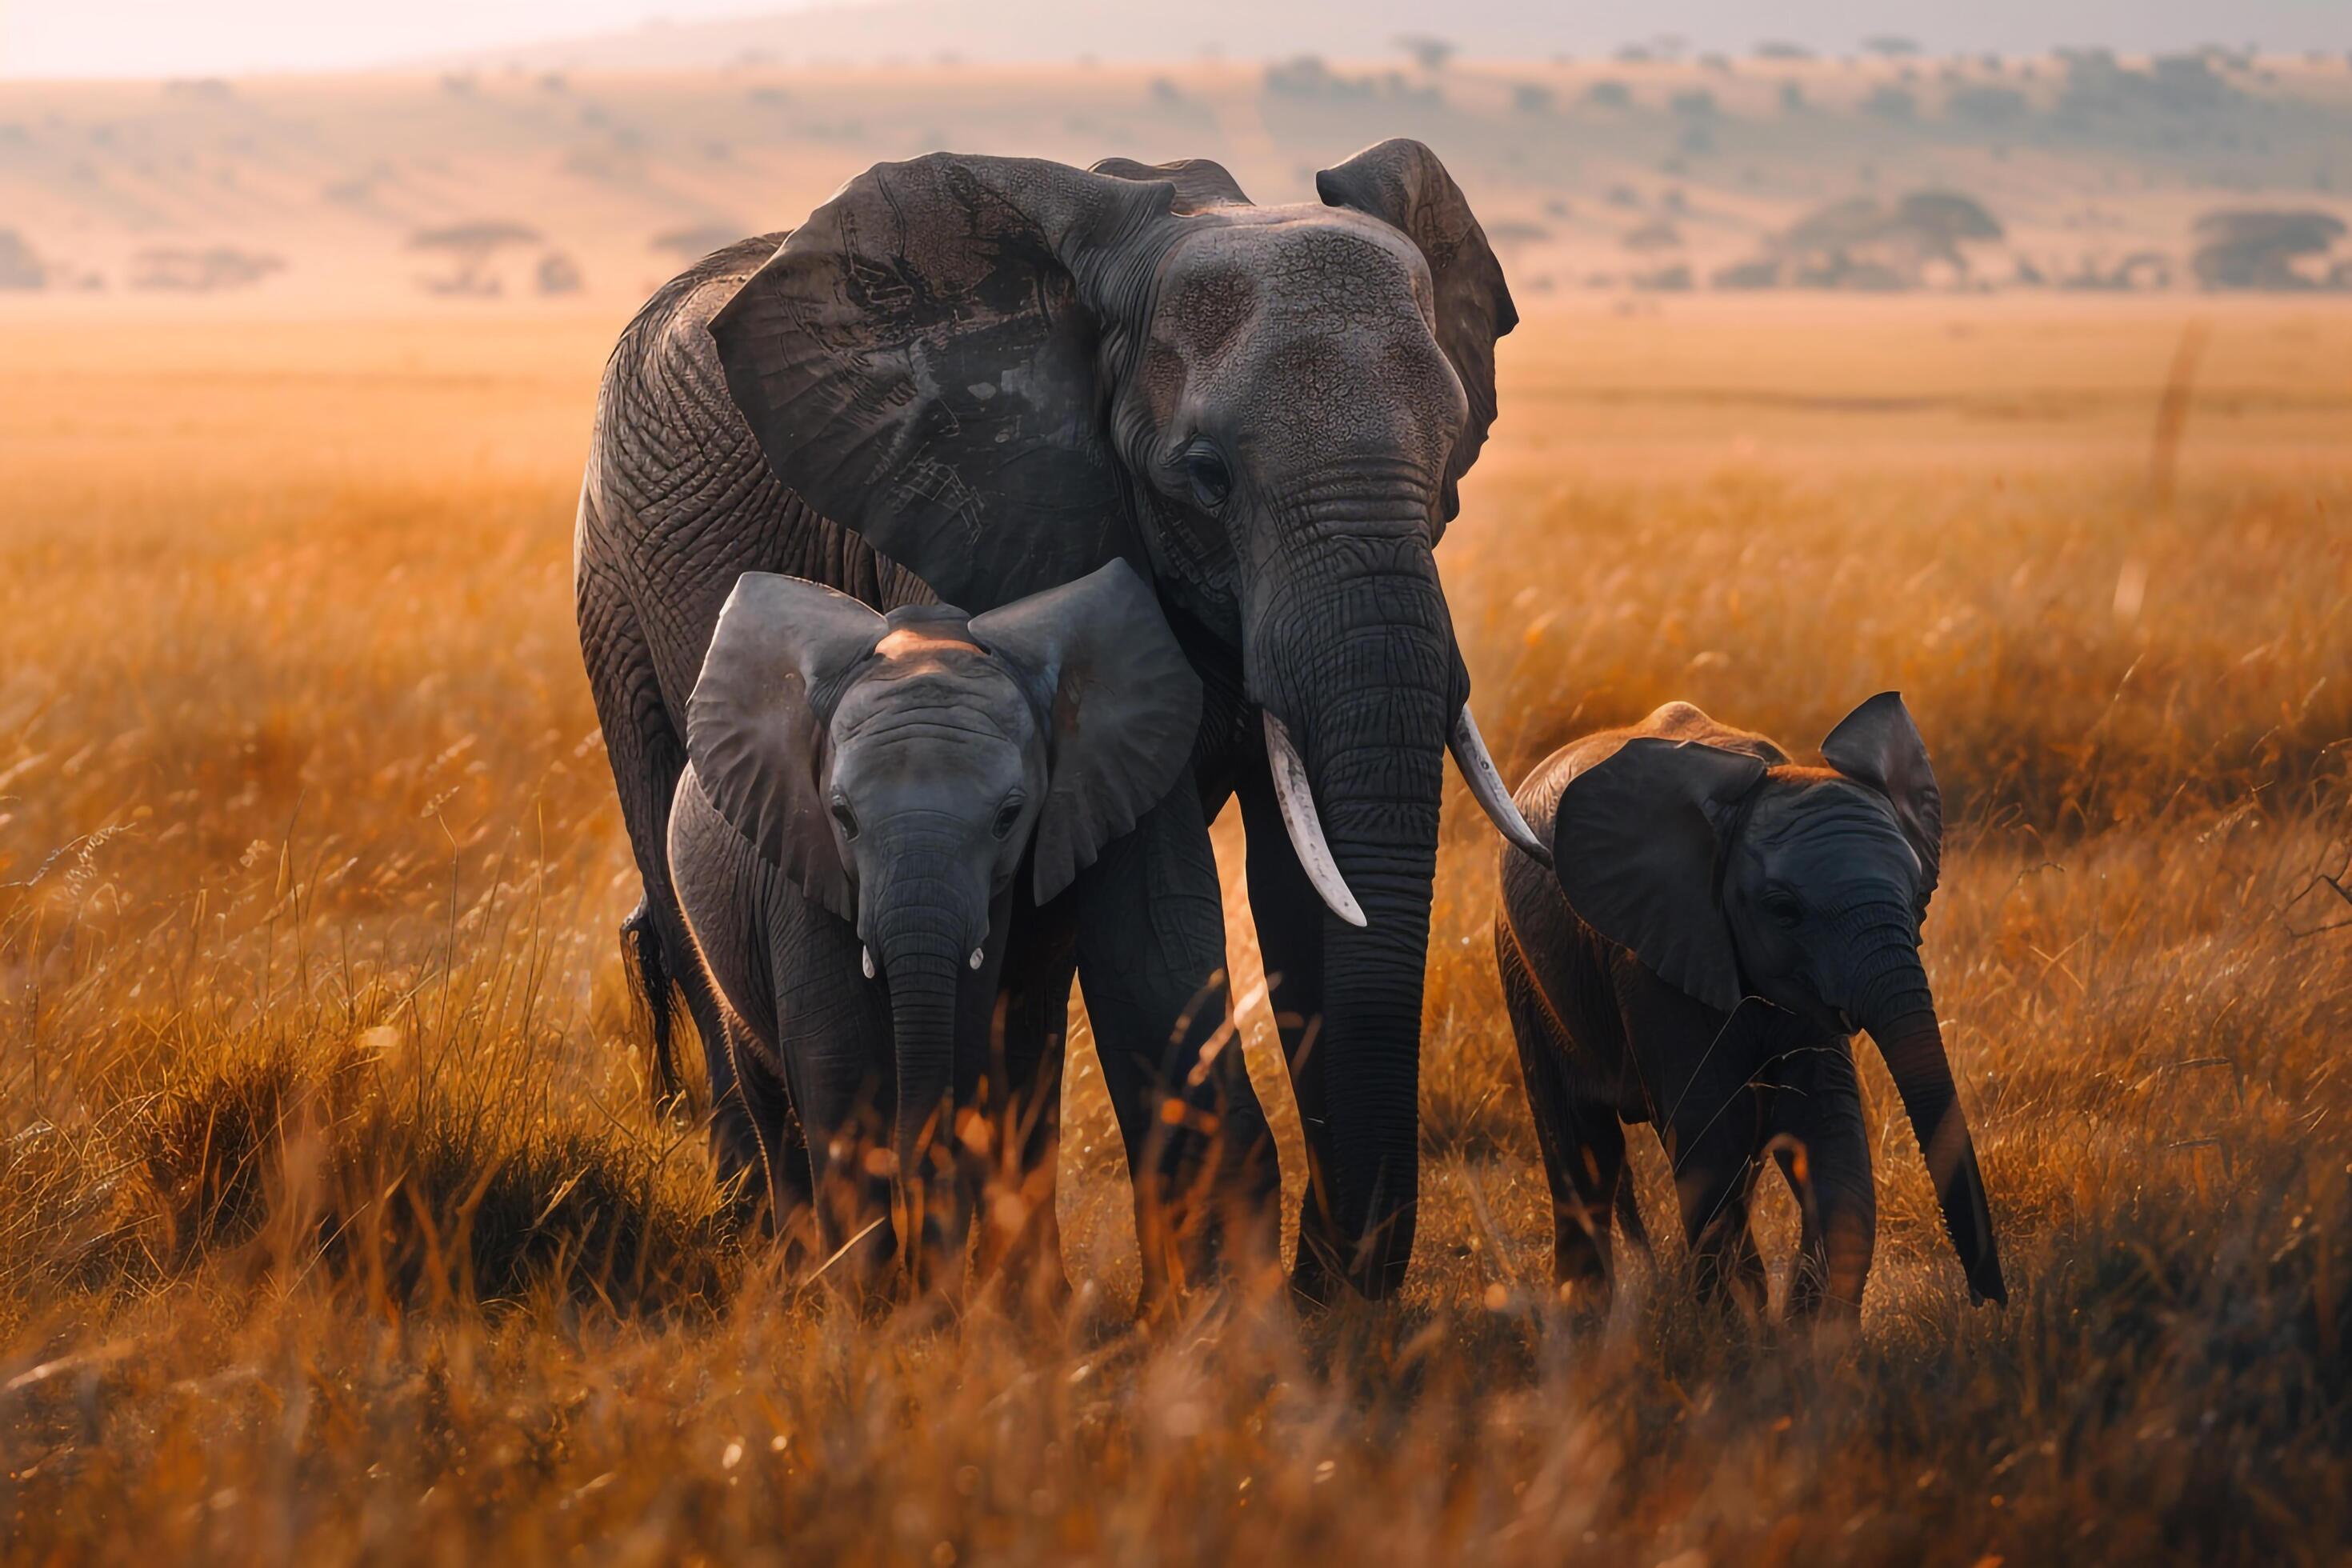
[[924, 940], [1894, 1003], [1362, 672], [1844, 1203]]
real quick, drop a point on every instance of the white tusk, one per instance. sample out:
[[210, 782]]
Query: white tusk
[[1485, 782], [1298, 798], [865, 956], [975, 958]]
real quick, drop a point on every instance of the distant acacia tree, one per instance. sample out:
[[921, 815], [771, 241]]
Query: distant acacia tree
[[1429, 52], [1864, 243], [2259, 249], [201, 270], [558, 274], [470, 247], [19, 267], [1891, 103], [698, 241], [1988, 105]]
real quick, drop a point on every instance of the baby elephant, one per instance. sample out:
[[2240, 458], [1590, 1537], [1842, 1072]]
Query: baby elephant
[[1722, 920], [860, 793]]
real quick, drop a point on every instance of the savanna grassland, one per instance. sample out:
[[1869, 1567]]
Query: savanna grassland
[[334, 1221]]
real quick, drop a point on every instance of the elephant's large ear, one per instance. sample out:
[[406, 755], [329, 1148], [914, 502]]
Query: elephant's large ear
[[1403, 183], [1201, 183], [1636, 844], [1877, 744], [1123, 704], [755, 724], [918, 360]]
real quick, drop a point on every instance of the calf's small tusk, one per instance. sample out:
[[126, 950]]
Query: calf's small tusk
[[975, 958], [865, 957], [1296, 798]]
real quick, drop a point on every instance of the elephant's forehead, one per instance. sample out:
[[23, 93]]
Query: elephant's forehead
[[1827, 817], [945, 682], [911, 642], [1284, 261]]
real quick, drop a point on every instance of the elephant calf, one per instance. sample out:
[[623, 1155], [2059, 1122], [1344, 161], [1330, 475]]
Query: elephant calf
[[1720, 921], [860, 791]]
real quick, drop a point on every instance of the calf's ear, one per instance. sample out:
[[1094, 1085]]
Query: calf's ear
[[755, 725], [1878, 745], [1122, 706], [1634, 844]]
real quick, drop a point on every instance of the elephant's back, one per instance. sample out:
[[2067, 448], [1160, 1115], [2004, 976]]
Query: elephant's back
[[679, 500], [664, 406], [1687, 721], [1538, 794]]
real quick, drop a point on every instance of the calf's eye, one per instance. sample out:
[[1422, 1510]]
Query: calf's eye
[[1210, 480], [1007, 816], [1783, 910], [847, 819]]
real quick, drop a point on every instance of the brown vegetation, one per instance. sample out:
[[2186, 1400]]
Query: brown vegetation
[[333, 1223]]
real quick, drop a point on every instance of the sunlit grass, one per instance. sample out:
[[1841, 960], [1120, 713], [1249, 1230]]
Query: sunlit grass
[[333, 1220]]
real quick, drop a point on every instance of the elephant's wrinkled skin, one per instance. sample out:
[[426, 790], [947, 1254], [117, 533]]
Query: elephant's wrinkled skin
[[1001, 373], [860, 794], [1722, 921]]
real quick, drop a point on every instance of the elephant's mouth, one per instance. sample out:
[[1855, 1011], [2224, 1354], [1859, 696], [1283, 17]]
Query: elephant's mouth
[[1296, 796]]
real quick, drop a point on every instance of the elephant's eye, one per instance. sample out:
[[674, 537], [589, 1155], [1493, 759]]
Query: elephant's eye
[[1007, 816], [1211, 480], [846, 817], [1781, 905]]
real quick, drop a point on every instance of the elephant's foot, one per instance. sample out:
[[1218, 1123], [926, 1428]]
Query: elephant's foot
[[1217, 1232], [1030, 1285], [1580, 1276], [742, 1166], [1329, 1267], [1019, 1259], [1729, 1274], [1318, 1273]]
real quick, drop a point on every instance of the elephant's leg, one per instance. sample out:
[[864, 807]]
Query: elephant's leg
[[1151, 958], [780, 1182], [1020, 1231], [739, 1147], [647, 757], [1582, 1141], [1823, 1152], [1712, 1143], [833, 1040]]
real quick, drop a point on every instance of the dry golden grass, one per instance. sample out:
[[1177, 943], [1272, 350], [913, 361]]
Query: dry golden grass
[[333, 1223]]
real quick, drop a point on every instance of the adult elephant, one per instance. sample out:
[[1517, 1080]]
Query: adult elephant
[[981, 377]]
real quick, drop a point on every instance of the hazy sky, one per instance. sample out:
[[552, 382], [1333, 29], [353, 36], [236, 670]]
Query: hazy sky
[[181, 38]]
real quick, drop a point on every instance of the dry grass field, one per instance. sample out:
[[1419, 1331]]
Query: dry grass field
[[334, 1224]]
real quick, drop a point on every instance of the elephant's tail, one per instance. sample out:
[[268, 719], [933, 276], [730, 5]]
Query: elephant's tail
[[1629, 1218], [641, 943]]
